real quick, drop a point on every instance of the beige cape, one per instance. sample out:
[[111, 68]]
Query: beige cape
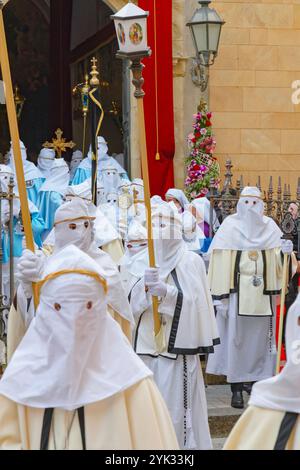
[[258, 429], [136, 419]]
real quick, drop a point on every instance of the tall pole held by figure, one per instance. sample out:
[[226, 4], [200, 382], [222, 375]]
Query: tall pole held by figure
[[14, 133]]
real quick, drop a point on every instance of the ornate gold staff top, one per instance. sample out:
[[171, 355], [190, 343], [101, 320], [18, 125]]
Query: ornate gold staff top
[[59, 143]]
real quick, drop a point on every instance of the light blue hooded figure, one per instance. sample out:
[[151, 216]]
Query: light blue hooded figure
[[84, 170], [37, 222], [52, 193], [34, 179], [77, 158]]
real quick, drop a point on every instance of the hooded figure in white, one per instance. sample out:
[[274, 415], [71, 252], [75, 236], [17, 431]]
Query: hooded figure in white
[[201, 210], [272, 421], [136, 258], [192, 233], [52, 193], [33, 177], [245, 275], [45, 161], [178, 197], [74, 382], [105, 235], [188, 323], [37, 223], [84, 170], [73, 226]]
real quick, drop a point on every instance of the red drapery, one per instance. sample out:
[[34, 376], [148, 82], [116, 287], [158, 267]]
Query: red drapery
[[159, 109]]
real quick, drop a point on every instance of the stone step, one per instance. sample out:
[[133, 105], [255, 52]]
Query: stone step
[[221, 416]]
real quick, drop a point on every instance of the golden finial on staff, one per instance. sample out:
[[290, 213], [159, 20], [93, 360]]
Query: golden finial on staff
[[59, 143], [94, 82]]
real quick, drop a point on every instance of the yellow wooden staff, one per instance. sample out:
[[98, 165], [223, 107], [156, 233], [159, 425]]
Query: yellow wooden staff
[[14, 133], [137, 71], [281, 315]]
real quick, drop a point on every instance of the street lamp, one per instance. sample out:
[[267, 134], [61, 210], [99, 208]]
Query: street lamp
[[205, 27], [131, 29]]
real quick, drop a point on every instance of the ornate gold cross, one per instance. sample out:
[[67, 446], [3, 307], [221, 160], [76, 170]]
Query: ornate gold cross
[[59, 143]]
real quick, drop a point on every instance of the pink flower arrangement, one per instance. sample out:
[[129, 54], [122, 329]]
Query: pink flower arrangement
[[202, 167]]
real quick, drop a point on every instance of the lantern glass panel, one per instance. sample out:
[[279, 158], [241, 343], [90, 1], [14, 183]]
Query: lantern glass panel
[[214, 35]]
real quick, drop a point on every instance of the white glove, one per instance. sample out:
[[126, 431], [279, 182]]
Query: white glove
[[222, 307], [155, 286], [30, 269], [287, 247]]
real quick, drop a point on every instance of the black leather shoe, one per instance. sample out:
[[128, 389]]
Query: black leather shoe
[[237, 400]]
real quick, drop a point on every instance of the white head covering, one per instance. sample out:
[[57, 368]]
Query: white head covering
[[167, 234], [82, 190], [45, 161], [73, 224], [104, 231], [136, 258], [103, 158], [248, 229], [138, 185], [282, 392], [110, 176], [31, 172], [202, 205], [69, 355], [59, 177], [112, 198], [77, 158], [192, 233], [6, 173], [179, 196]]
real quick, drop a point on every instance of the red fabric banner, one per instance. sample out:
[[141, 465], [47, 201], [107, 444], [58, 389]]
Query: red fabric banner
[[159, 108]]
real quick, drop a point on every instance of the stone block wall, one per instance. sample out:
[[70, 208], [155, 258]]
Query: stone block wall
[[255, 121]]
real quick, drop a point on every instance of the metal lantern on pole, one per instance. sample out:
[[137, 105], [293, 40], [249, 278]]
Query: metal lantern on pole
[[131, 29], [205, 27]]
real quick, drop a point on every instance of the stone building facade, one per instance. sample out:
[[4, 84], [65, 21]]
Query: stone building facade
[[250, 89]]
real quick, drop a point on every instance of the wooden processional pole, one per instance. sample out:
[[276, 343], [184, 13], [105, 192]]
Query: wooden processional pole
[[14, 133], [138, 81], [281, 314]]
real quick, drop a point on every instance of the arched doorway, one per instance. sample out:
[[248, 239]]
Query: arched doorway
[[93, 34], [27, 32], [50, 45]]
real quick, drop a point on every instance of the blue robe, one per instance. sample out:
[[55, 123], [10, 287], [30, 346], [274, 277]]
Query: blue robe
[[18, 235], [33, 187], [80, 176], [48, 203]]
